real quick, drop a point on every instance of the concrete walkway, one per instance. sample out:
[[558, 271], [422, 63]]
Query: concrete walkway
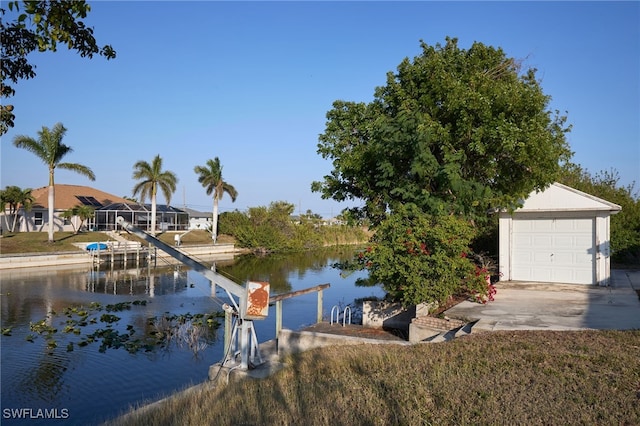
[[537, 306]]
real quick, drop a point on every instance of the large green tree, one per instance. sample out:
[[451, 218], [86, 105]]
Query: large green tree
[[50, 149], [210, 176], [453, 130], [152, 177], [41, 26]]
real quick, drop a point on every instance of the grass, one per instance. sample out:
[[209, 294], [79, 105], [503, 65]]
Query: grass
[[36, 242], [523, 377]]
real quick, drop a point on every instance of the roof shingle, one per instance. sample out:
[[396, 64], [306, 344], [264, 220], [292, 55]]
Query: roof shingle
[[67, 196]]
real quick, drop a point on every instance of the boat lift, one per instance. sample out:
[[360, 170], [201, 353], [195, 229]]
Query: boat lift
[[252, 304]]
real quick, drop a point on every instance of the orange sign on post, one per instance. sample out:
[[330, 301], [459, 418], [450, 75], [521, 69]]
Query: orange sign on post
[[257, 300]]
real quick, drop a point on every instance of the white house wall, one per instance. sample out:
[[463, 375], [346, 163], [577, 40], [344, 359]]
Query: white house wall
[[603, 249], [26, 222], [5, 222], [199, 223]]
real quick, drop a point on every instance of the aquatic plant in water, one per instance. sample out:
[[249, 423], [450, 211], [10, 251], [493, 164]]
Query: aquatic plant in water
[[194, 331]]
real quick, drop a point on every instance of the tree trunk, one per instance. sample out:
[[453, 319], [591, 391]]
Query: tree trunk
[[153, 214], [214, 220], [15, 220], [52, 197]]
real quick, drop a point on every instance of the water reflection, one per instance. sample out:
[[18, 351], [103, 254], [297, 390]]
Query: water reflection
[[280, 269], [144, 281], [46, 380]]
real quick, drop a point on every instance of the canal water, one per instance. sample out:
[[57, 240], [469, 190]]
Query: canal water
[[49, 377]]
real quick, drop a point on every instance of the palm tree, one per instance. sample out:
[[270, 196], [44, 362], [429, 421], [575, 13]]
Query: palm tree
[[6, 198], [82, 212], [13, 196], [211, 178], [152, 177], [17, 198], [26, 200], [50, 149], [69, 214]]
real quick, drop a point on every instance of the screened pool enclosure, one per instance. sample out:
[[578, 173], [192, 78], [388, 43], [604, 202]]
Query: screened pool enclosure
[[167, 218]]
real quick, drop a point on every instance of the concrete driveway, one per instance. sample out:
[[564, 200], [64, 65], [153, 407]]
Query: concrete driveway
[[538, 306]]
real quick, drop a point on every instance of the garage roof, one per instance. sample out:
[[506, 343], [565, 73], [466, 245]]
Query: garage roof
[[559, 197]]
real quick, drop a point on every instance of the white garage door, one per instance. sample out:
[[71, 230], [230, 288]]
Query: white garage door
[[553, 250]]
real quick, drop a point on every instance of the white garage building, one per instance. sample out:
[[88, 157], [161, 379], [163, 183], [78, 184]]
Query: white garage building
[[559, 235]]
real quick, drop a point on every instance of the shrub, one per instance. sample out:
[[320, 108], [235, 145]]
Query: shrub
[[273, 229], [419, 257]]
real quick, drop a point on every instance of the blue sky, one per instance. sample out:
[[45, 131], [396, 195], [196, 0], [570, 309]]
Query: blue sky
[[251, 83]]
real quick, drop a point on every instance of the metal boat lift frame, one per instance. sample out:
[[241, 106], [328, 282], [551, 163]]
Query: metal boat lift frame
[[247, 339]]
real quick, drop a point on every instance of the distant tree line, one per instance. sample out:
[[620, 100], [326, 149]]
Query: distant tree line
[[275, 229]]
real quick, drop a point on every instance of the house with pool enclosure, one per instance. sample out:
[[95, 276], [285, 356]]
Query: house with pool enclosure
[[107, 207]]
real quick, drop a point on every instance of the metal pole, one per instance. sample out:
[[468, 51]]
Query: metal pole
[[228, 320], [278, 317], [319, 315], [244, 344]]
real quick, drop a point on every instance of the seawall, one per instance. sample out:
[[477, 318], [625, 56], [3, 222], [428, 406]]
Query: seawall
[[31, 260]]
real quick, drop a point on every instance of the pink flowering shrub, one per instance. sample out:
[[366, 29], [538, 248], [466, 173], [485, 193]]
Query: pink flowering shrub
[[418, 257]]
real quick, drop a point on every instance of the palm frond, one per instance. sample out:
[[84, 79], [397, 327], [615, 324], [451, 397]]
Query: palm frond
[[78, 168]]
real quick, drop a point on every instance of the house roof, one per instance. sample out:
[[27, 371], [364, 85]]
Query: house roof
[[68, 196], [559, 197], [195, 213]]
